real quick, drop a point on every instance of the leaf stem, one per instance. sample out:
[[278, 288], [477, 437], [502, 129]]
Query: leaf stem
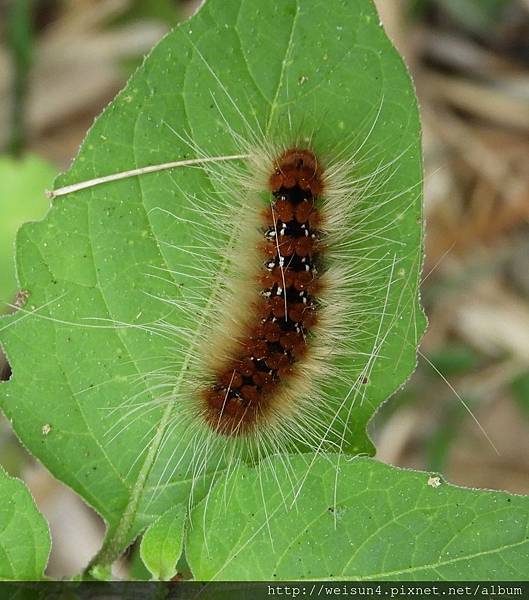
[[113, 544]]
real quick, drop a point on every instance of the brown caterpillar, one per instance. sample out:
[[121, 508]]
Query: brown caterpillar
[[275, 291], [276, 336]]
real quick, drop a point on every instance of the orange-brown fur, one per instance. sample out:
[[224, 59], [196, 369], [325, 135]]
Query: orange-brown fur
[[270, 349]]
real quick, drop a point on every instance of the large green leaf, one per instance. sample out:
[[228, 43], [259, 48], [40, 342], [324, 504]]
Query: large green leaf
[[357, 519], [24, 535], [321, 67]]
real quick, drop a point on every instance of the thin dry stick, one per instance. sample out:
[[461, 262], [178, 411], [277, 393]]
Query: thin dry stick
[[82, 185]]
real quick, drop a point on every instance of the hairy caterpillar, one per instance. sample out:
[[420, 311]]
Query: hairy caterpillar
[[253, 383], [250, 386]]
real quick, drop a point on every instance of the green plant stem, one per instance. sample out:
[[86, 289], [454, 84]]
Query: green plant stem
[[113, 544], [20, 43]]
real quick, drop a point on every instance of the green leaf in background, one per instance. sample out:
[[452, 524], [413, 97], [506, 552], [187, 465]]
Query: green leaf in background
[[478, 16], [356, 520], [163, 10], [163, 542], [455, 359], [22, 198], [24, 535], [520, 388], [326, 67]]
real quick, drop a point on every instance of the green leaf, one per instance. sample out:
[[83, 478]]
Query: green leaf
[[162, 543], [274, 65], [22, 186], [520, 388], [478, 16], [356, 520], [455, 359], [24, 535]]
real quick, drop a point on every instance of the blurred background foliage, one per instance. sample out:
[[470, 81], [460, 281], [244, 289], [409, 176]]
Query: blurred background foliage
[[62, 61]]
